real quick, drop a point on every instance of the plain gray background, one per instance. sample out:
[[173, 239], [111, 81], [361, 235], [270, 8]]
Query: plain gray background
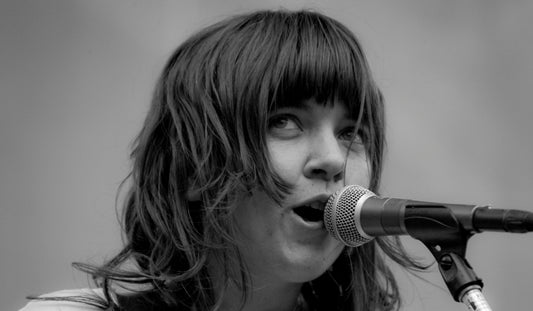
[[76, 78]]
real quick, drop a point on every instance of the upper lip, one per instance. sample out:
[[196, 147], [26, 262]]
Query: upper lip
[[316, 202]]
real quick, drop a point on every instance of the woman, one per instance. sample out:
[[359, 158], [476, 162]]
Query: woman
[[254, 123]]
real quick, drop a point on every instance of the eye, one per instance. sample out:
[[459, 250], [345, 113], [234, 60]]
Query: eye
[[284, 125], [349, 134], [352, 140], [282, 122]]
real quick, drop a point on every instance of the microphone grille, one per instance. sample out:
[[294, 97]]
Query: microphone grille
[[340, 216]]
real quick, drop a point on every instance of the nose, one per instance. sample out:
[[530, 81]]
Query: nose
[[326, 158]]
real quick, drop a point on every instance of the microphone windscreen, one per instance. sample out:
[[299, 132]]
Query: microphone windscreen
[[341, 215]]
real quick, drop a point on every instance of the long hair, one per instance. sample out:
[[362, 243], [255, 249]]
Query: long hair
[[203, 145]]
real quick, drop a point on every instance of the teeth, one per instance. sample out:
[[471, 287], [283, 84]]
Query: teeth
[[317, 205]]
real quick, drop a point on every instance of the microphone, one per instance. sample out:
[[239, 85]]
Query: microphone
[[355, 215]]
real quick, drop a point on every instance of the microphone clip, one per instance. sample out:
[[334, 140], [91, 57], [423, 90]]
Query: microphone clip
[[449, 251]]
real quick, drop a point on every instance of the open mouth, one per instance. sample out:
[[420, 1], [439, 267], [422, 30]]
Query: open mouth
[[309, 213]]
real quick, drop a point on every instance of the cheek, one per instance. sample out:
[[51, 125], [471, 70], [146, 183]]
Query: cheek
[[255, 216], [287, 159], [358, 171]]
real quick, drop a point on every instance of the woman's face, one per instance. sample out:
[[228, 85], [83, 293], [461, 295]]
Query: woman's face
[[308, 147]]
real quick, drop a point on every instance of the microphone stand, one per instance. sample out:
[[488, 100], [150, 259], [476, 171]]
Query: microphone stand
[[461, 280], [447, 239]]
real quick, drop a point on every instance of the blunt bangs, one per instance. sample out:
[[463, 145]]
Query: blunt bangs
[[320, 60]]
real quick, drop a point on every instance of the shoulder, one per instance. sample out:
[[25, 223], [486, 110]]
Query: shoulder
[[65, 305]]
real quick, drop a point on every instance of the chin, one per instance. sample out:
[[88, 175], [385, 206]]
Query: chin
[[306, 274], [311, 266]]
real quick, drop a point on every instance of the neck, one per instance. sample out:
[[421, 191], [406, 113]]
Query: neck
[[264, 294], [266, 297]]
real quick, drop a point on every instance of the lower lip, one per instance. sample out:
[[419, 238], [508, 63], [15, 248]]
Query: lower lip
[[310, 225]]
